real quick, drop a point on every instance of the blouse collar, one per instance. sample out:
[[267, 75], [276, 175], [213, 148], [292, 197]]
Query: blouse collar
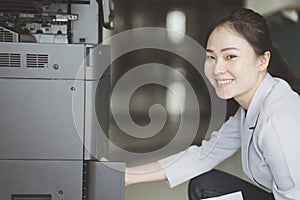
[[261, 93]]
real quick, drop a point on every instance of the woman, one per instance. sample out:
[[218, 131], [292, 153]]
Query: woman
[[266, 126]]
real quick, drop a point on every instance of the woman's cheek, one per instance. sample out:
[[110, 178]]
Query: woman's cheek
[[208, 71]]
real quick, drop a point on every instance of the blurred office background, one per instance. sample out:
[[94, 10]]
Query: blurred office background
[[191, 17]]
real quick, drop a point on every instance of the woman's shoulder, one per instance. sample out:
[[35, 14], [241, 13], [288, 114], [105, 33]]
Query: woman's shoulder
[[282, 100], [283, 91], [280, 113]]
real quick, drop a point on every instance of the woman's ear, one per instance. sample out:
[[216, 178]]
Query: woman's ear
[[264, 61]]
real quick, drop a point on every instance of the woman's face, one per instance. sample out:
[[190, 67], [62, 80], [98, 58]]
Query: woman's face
[[232, 66]]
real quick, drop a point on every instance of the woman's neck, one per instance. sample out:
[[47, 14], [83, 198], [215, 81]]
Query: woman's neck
[[244, 99]]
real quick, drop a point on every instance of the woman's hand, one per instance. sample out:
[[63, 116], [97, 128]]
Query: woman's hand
[[128, 175], [140, 174], [103, 159]]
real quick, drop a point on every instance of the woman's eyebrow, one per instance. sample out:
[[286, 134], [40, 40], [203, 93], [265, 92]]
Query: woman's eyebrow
[[224, 49], [229, 48], [209, 50]]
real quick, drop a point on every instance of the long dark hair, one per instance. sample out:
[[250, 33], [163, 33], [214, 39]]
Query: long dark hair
[[253, 27]]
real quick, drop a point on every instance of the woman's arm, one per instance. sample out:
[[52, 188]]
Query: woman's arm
[[144, 173], [193, 161], [280, 146]]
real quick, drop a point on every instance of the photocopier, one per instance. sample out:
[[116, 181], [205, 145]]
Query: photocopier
[[54, 104]]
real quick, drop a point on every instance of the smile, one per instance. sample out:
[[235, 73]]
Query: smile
[[224, 82]]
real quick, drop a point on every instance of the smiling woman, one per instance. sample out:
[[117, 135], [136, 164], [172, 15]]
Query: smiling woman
[[232, 65], [240, 58], [265, 128]]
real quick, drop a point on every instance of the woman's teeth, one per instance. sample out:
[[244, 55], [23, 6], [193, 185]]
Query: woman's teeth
[[222, 82]]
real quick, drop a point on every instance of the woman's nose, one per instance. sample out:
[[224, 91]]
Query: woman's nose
[[219, 67]]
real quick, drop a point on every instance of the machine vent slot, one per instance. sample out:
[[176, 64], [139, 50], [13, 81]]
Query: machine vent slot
[[7, 35], [37, 60], [10, 60]]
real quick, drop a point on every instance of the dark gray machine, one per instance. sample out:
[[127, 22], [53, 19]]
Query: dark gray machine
[[49, 140]]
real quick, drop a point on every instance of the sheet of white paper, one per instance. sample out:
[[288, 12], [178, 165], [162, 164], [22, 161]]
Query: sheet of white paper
[[231, 196]]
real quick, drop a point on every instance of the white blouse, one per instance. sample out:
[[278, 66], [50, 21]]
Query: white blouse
[[269, 138]]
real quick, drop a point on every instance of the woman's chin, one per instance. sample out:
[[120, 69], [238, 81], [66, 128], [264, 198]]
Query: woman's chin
[[224, 96]]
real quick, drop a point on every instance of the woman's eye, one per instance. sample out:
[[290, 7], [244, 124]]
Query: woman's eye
[[230, 57], [209, 57]]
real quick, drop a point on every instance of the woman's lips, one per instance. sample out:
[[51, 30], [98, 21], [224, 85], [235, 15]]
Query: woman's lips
[[223, 82]]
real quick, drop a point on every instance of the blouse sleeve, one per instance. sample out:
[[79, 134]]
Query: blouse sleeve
[[281, 151], [196, 160]]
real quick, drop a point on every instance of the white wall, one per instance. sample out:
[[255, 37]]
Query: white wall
[[268, 6]]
